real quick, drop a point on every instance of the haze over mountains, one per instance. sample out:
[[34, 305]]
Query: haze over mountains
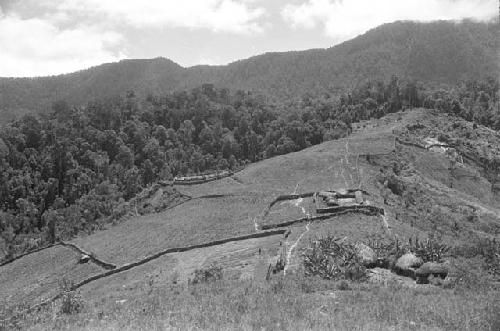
[[438, 52]]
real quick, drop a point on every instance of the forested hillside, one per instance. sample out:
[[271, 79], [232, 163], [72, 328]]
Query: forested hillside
[[74, 169], [437, 53]]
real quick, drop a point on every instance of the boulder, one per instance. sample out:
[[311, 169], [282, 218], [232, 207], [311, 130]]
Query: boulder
[[366, 254], [407, 264]]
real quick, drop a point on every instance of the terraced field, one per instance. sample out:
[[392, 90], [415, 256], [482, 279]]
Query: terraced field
[[36, 277], [239, 260]]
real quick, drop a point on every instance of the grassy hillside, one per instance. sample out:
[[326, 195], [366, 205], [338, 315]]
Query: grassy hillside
[[438, 52], [421, 195]]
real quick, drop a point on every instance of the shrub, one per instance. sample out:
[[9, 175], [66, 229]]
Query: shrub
[[487, 249], [71, 301], [490, 250], [210, 274], [343, 286], [386, 247], [430, 250], [331, 258]]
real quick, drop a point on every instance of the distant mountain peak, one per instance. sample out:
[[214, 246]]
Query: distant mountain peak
[[438, 52]]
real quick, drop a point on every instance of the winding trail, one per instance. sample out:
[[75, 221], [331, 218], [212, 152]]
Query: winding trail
[[290, 250], [292, 247], [385, 223]]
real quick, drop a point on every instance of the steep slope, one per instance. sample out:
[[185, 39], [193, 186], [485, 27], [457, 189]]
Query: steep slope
[[389, 159], [438, 52]]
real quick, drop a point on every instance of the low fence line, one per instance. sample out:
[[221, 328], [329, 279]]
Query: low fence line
[[215, 196], [439, 145], [200, 179], [408, 143], [369, 210], [27, 253], [195, 182], [32, 308], [285, 197], [94, 259], [178, 250], [128, 266], [339, 211]]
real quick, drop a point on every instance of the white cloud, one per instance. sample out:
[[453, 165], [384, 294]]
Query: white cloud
[[343, 20], [35, 47], [45, 37], [216, 15]]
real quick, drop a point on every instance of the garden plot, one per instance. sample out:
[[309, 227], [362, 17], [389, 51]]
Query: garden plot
[[194, 222], [36, 277], [352, 227], [248, 258]]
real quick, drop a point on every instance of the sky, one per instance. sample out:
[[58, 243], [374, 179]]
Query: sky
[[49, 37]]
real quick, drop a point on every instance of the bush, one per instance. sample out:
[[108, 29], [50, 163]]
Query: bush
[[71, 301], [387, 247], [487, 249], [210, 274], [430, 250], [490, 250], [331, 258]]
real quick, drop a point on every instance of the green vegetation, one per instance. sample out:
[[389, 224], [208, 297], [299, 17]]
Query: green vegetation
[[76, 169], [332, 258], [71, 301], [210, 274], [72, 170], [433, 53], [283, 304]]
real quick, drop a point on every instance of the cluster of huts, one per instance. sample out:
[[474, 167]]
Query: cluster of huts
[[339, 201], [342, 198], [186, 180]]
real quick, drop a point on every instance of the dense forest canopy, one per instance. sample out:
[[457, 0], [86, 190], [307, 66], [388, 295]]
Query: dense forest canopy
[[69, 171], [437, 52]]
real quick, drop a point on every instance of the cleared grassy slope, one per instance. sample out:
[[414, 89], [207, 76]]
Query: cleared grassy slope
[[288, 304]]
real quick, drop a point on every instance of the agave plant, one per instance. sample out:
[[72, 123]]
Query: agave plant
[[332, 258]]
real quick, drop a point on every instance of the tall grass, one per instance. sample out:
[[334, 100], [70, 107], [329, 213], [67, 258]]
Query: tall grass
[[293, 303]]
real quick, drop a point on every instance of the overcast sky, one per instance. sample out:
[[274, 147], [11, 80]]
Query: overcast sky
[[46, 37]]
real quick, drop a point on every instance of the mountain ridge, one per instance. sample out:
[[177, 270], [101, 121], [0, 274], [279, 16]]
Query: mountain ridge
[[440, 52]]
